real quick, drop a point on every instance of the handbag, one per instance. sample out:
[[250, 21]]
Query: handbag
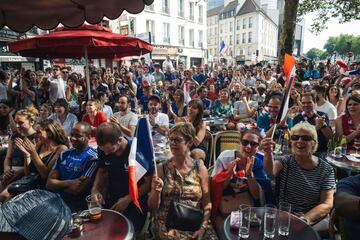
[[182, 216], [24, 184]]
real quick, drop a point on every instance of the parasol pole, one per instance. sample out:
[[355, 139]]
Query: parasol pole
[[87, 75]]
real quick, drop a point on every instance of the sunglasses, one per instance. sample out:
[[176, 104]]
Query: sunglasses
[[65, 72], [305, 138], [245, 142]]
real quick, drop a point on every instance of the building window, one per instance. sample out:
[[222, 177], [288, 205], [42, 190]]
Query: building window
[[181, 8], [201, 16], [250, 22], [181, 35], [241, 51], [230, 40], [231, 26], [149, 8], [250, 37], [237, 38], [244, 38], [244, 23], [165, 6], [191, 38], [150, 27], [238, 24], [132, 26], [200, 42], [166, 33], [191, 13], [249, 51]]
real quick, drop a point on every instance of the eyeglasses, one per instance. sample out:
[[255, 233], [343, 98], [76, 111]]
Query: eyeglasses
[[305, 138], [177, 140], [245, 142]]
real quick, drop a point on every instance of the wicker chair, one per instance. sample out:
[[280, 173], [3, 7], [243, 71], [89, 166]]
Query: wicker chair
[[226, 140]]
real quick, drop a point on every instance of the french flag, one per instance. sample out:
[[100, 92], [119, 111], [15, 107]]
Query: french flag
[[289, 70], [141, 157], [223, 48]]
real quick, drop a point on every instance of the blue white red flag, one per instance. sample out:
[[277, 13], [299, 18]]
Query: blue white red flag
[[289, 70], [223, 48], [140, 158]]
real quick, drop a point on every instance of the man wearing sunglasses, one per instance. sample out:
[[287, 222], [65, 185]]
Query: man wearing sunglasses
[[57, 85], [319, 119]]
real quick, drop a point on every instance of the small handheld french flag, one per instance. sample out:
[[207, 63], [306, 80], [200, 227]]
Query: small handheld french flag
[[141, 157], [223, 48]]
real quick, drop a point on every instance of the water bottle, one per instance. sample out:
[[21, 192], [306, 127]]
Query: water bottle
[[286, 142], [343, 145]]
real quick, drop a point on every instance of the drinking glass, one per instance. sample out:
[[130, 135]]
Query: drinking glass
[[244, 226], [269, 221], [357, 146], [284, 218], [94, 202]]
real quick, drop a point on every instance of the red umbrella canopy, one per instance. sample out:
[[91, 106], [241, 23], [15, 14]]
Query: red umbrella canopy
[[22, 15], [99, 41]]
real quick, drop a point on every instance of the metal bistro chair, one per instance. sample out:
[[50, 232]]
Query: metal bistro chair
[[226, 140]]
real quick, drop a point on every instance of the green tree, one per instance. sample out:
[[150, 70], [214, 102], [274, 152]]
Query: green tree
[[343, 44], [314, 53], [344, 10]]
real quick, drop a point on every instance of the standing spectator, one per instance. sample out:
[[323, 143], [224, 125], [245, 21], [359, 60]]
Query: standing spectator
[[168, 63], [125, 118], [57, 85], [74, 170]]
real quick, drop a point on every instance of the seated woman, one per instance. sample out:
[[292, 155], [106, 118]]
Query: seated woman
[[305, 181], [348, 124], [238, 173], [62, 115], [224, 108], [93, 116], [45, 112], [194, 116], [178, 107], [7, 124], [14, 160], [40, 157], [184, 179]]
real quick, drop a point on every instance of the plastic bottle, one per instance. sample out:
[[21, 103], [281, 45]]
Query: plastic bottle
[[343, 145], [286, 141]]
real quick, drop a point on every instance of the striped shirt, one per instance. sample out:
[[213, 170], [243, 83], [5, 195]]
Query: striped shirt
[[302, 188]]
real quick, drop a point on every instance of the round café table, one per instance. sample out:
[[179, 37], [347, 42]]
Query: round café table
[[215, 121], [112, 226], [298, 229], [343, 163]]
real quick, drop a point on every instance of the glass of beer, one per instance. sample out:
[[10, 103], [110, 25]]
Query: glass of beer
[[94, 202]]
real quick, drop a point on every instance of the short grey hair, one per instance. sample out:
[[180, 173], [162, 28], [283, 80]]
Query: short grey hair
[[305, 126]]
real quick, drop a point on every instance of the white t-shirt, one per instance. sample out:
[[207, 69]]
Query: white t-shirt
[[129, 119], [57, 89], [3, 91], [161, 119], [239, 106], [329, 109]]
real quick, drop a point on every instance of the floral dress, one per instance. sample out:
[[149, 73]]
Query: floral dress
[[187, 189]]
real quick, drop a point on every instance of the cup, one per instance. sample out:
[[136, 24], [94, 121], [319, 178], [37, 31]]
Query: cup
[[284, 218], [269, 221], [94, 202], [244, 223]]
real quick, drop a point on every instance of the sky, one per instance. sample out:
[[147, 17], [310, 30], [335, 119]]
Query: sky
[[334, 29]]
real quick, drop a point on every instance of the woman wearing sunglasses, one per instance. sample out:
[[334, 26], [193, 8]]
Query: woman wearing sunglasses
[[304, 180], [238, 173]]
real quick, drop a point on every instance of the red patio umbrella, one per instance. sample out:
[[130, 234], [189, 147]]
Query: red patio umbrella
[[88, 41]]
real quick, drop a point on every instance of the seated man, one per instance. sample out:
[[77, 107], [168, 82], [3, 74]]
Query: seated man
[[159, 121], [74, 169], [125, 118], [347, 205], [112, 178]]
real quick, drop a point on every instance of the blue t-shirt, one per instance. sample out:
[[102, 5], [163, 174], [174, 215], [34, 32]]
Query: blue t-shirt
[[70, 165], [169, 76], [206, 104], [199, 78]]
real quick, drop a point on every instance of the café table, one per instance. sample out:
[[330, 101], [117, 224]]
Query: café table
[[215, 121], [111, 226], [298, 228], [343, 162]]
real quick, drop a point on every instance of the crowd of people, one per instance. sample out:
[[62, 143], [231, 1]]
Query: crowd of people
[[75, 144]]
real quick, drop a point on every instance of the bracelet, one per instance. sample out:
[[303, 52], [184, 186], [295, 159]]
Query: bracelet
[[203, 226]]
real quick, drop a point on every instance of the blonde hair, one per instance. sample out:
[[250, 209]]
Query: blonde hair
[[305, 126], [30, 112], [186, 129]]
